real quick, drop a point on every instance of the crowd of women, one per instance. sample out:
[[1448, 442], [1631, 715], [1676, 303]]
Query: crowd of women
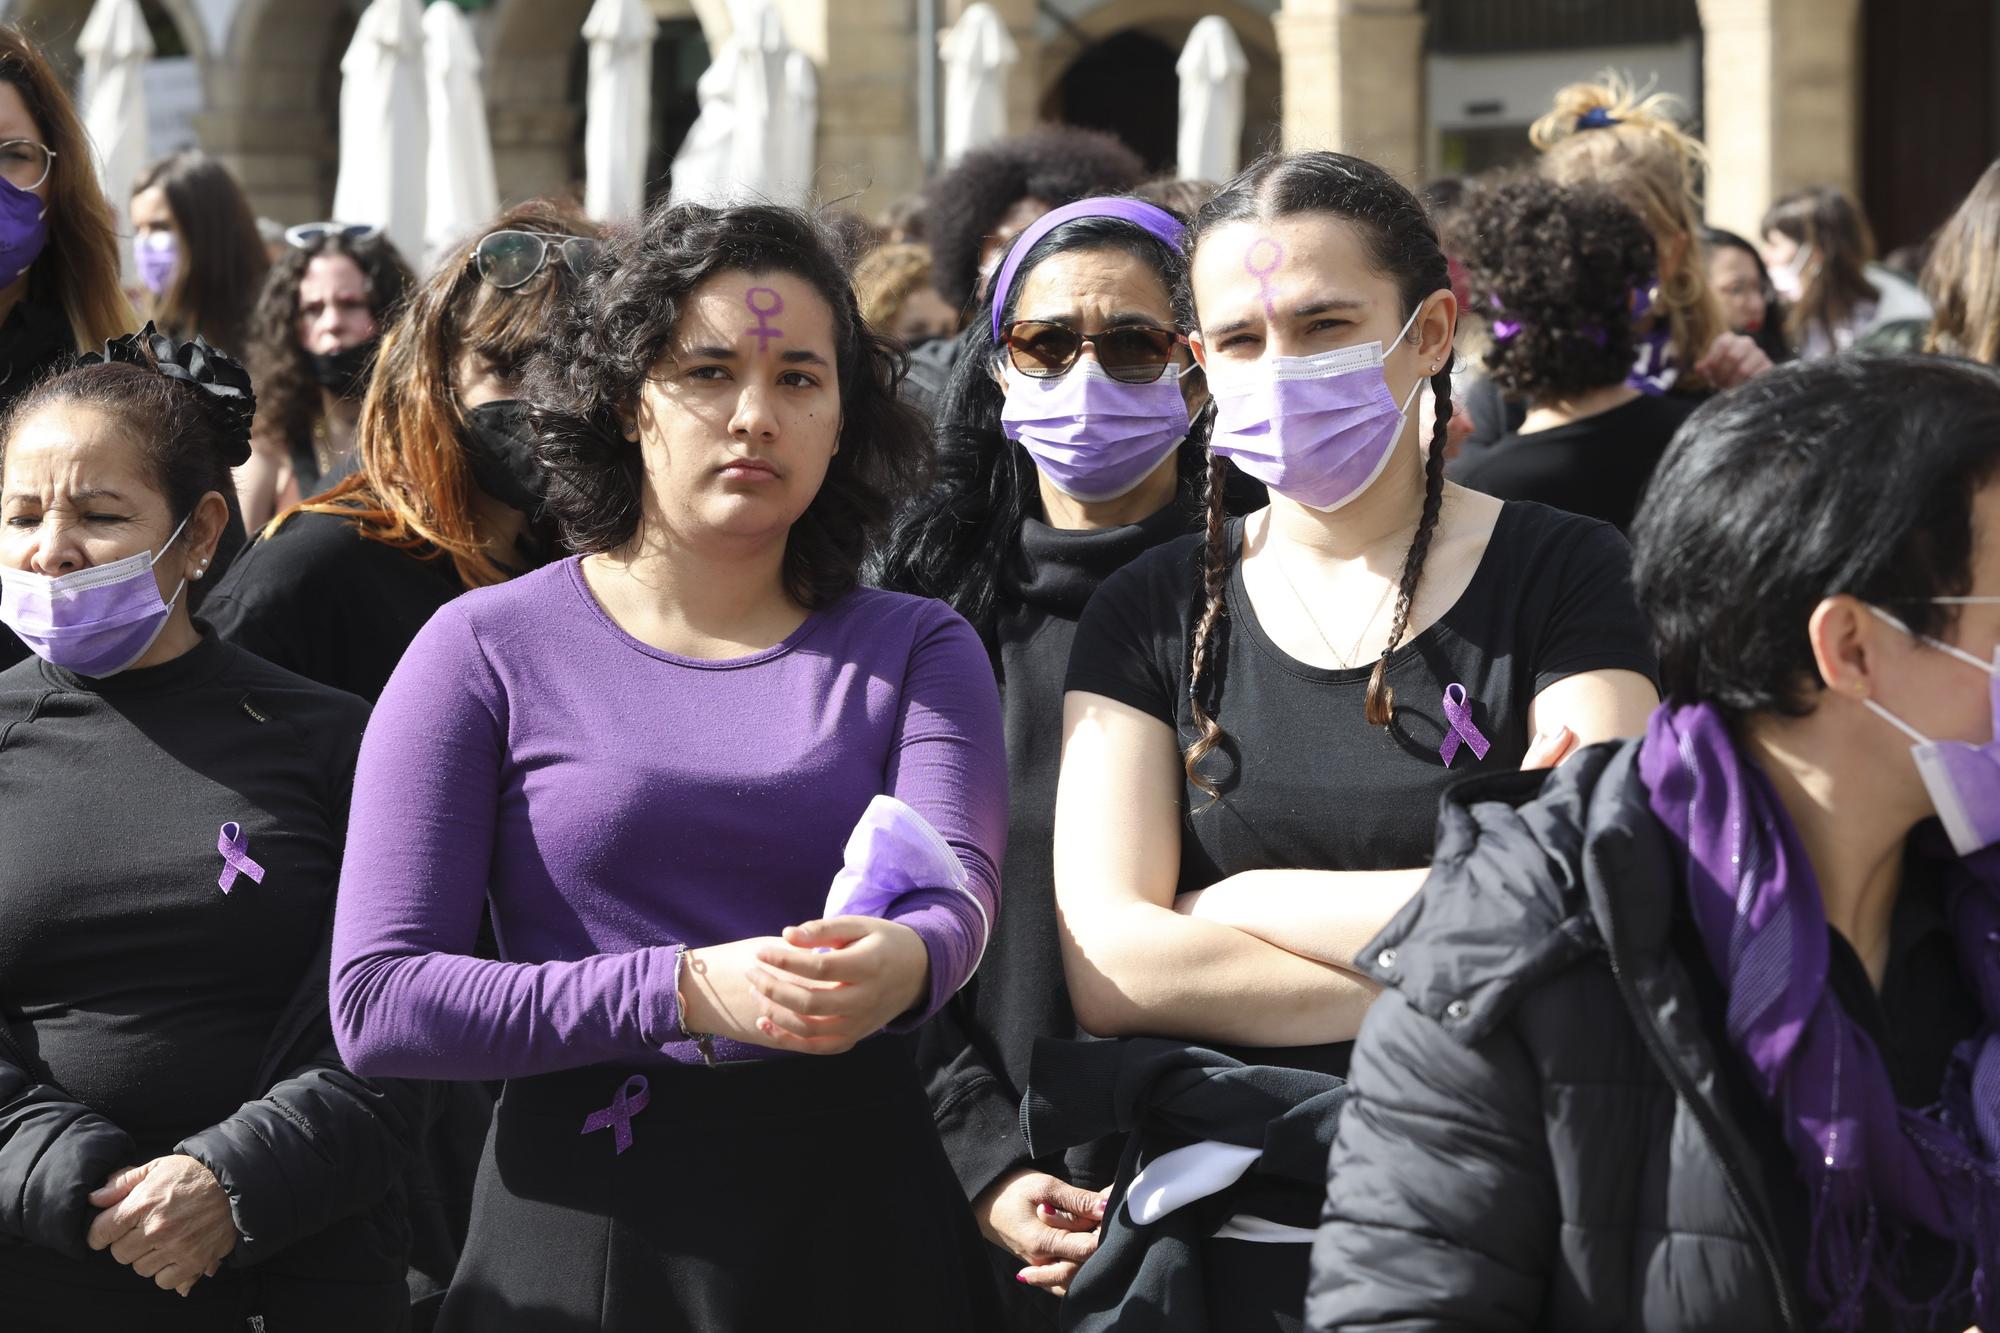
[[691, 815]]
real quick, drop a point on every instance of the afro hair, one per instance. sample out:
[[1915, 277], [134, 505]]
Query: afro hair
[[1558, 270], [1057, 164]]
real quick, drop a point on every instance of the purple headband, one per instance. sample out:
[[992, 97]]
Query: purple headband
[[1155, 220]]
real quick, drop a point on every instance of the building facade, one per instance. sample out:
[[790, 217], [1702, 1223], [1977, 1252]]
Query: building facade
[[1889, 99]]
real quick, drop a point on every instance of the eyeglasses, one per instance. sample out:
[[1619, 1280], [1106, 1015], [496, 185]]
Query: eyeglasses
[[308, 234], [1130, 353], [510, 259], [25, 164]]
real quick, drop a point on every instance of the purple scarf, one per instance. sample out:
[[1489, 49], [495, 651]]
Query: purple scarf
[[1873, 1168]]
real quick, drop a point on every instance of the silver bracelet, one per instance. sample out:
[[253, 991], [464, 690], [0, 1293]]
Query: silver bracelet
[[703, 1041]]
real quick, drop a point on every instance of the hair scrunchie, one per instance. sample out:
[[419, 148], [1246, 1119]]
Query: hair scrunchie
[[220, 380]]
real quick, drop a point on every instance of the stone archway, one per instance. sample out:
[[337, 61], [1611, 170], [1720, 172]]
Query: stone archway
[[1136, 40], [54, 24], [274, 102]]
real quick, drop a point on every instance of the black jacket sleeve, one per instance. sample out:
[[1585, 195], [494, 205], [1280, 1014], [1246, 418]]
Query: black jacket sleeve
[[978, 1113], [322, 1145], [53, 1152], [1440, 1210]]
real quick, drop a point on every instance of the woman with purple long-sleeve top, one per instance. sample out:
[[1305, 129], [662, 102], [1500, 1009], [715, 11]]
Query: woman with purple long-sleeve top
[[646, 761]]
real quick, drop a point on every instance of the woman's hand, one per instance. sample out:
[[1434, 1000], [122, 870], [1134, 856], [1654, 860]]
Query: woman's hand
[[1732, 358], [167, 1220], [1549, 748], [1046, 1223], [828, 984]]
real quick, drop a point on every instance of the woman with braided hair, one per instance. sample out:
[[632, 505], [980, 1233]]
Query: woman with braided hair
[[1261, 717], [173, 1115]]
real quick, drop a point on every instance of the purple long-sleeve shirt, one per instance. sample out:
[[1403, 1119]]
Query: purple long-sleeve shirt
[[612, 801]]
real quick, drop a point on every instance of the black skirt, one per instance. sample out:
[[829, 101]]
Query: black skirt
[[795, 1192]]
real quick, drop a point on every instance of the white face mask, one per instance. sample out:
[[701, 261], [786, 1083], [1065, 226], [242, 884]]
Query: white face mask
[[1789, 279], [1962, 777]]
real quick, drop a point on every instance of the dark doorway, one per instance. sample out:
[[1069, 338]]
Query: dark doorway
[[1126, 84], [1928, 111]]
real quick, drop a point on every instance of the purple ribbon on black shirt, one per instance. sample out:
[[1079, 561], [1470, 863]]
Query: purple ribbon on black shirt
[[631, 1099], [235, 849], [1458, 712]]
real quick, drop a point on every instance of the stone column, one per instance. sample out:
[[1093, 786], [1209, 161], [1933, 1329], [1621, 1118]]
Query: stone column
[[1781, 94], [866, 55], [1354, 79]]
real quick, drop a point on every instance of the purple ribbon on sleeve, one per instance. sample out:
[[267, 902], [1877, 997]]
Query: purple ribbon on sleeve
[[1458, 712], [235, 849], [631, 1099]]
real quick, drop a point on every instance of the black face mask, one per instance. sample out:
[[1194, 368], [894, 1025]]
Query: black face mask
[[500, 445], [345, 373]]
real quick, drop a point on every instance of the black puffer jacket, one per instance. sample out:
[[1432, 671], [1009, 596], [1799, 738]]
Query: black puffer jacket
[[1537, 1137], [312, 1166]]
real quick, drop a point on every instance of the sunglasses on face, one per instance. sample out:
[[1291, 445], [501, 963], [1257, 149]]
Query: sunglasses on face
[[308, 234], [1130, 354], [510, 259]]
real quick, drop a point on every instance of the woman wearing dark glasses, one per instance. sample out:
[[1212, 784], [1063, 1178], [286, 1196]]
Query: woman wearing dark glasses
[[1065, 449], [313, 338], [447, 490]]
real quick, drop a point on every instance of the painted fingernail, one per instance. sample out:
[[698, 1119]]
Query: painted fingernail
[[1021, 1278], [1100, 1206]]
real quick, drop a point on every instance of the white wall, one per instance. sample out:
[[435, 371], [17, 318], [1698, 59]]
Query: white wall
[[1510, 90]]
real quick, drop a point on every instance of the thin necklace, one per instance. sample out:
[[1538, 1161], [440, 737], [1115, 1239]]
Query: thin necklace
[[1345, 663]]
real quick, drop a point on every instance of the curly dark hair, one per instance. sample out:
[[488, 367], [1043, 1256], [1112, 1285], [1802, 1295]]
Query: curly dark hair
[[287, 391], [605, 345], [1554, 267], [1057, 164]]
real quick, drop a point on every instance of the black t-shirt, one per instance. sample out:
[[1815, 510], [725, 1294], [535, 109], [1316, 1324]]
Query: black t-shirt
[[1597, 467], [320, 599], [1303, 781], [137, 984], [1923, 1011]]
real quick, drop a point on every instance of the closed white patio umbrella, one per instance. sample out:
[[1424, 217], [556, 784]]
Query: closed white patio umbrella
[[618, 107], [115, 45], [384, 139], [460, 190], [759, 113], [976, 52], [1212, 68]]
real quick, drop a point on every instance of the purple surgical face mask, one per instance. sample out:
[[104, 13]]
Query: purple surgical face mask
[[1093, 437], [95, 622], [24, 230], [155, 254], [1316, 429], [1963, 778]]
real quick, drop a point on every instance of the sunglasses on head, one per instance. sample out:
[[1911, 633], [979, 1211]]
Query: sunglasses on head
[[308, 234], [510, 259], [1130, 353]]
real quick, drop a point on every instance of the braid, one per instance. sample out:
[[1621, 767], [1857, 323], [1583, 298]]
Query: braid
[[1214, 559], [1381, 703]]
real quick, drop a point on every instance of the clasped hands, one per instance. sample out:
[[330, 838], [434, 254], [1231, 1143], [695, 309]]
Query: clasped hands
[[818, 989], [167, 1219]]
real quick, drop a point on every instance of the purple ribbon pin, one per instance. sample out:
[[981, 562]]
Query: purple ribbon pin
[[1458, 712], [235, 849], [631, 1100]]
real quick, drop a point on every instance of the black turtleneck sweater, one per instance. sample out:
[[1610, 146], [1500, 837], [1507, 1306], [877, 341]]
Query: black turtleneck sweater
[[975, 1052]]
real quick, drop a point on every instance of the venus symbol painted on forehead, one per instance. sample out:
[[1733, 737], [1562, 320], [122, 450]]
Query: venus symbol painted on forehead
[[1261, 261], [764, 302]]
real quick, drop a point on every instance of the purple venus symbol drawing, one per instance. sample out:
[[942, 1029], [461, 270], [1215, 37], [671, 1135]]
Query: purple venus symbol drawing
[[1261, 261], [764, 302]]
